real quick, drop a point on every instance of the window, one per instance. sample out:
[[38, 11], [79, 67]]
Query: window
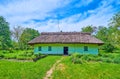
[[40, 48], [85, 48], [49, 48]]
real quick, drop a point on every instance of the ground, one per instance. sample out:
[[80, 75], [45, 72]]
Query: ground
[[58, 67]]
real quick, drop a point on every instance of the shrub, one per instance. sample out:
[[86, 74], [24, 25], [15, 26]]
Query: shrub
[[76, 55], [5, 51], [117, 60], [109, 47], [9, 56], [38, 54], [1, 55], [77, 58], [78, 61], [107, 60]]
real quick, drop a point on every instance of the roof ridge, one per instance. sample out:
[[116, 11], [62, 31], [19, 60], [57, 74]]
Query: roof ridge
[[63, 33]]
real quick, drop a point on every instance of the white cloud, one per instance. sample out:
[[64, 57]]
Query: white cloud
[[98, 17], [18, 12]]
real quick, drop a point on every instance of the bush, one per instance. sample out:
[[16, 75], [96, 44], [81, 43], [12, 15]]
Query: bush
[[77, 58], [5, 51], [88, 57], [117, 60], [78, 61], [9, 56], [107, 60], [38, 54], [109, 47], [76, 55], [1, 55]]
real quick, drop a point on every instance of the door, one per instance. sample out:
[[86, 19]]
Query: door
[[65, 50]]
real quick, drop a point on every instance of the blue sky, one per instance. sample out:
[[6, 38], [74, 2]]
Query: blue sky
[[43, 15]]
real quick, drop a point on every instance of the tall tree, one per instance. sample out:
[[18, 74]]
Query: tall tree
[[114, 29], [27, 35], [115, 20], [89, 28], [16, 33], [5, 40], [102, 33]]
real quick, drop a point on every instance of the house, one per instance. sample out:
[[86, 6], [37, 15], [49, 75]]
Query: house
[[65, 43]]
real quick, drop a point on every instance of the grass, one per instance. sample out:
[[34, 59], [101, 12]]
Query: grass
[[89, 70], [26, 70], [102, 66]]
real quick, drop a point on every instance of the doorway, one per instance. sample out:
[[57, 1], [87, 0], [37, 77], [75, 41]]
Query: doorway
[[65, 50]]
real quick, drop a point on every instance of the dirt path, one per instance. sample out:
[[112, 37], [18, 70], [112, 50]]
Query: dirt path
[[49, 72]]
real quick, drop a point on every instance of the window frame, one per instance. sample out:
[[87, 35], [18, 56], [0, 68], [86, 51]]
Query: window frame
[[39, 48], [85, 48], [49, 48]]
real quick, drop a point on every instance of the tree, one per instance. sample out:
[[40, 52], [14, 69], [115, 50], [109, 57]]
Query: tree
[[102, 33], [115, 20], [89, 28], [114, 29], [27, 35], [5, 40], [16, 34]]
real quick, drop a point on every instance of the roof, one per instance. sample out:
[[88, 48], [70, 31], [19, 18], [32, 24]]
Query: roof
[[65, 37]]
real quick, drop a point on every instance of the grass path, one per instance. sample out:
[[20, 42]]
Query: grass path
[[49, 72]]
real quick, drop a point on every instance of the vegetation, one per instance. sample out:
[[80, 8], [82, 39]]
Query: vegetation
[[89, 28], [17, 54], [89, 70], [13, 45], [26, 70], [5, 41], [77, 58], [22, 36], [19, 36]]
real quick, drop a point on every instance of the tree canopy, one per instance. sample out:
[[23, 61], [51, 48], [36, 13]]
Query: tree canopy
[[27, 35], [5, 40]]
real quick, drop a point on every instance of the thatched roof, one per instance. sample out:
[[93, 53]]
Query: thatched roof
[[65, 37]]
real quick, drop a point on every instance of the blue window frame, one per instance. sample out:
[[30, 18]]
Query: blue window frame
[[49, 48], [85, 48], [39, 48]]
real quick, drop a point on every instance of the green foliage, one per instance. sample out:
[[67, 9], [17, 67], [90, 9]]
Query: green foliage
[[16, 34], [102, 57], [109, 47], [117, 60], [17, 54], [110, 35], [27, 35], [5, 40], [115, 20], [76, 58], [102, 33], [90, 29]]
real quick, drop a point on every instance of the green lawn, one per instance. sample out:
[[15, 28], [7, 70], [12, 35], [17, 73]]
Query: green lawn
[[90, 70], [26, 70]]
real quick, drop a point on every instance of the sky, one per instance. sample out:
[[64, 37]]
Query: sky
[[58, 15]]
